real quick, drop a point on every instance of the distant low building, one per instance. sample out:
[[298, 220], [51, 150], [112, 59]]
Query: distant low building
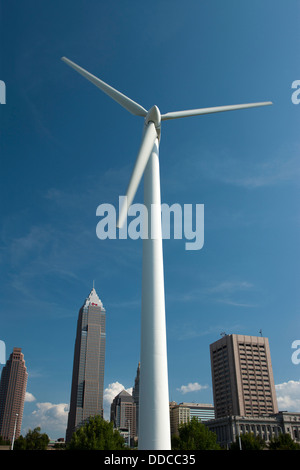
[[290, 424], [183, 412], [267, 427]]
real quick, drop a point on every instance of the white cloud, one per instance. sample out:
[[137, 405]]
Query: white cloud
[[29, 397], [288, 395], [191, 387], [109, 394], [51, 418], [51, 411]]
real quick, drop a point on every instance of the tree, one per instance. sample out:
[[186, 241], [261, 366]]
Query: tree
[[33, 440], [194, 435], [96, 434], [4, 442], [248, 442], [283, 442]]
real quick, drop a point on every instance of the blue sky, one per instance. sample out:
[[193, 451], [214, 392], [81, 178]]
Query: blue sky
[[67, 148]]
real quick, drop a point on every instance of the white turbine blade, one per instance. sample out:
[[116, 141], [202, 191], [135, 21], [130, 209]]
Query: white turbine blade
[[216, 109], [123, 100], [146, 147]]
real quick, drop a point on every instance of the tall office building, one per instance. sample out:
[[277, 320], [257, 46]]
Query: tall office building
[[242, 376], [88, 367], [12, 395], [123, 413], [136, 396]]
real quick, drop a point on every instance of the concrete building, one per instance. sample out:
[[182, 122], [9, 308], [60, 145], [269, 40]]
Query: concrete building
[[290, 424], [12, 395], [267, 427], [88, 367], [229, 427], [242, 376]]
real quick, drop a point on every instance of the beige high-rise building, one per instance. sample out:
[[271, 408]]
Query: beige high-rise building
[[242, 376]]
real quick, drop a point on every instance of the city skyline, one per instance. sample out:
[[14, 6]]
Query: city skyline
[[61, 159], [242, 360]]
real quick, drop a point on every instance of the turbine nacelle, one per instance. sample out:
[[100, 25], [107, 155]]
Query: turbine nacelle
[[154, 116]]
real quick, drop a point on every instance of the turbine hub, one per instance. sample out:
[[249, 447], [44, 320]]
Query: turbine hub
[[153, 116]]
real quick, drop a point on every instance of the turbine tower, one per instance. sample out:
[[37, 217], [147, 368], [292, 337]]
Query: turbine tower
[[154, 418]]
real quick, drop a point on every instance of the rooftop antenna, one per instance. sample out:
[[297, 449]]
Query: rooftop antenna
[[154, 416]]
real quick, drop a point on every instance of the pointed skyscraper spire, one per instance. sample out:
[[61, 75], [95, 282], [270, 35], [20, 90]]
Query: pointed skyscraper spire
[[93, 299]]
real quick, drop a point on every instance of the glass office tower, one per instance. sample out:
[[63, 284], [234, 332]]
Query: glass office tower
[[88, 366]]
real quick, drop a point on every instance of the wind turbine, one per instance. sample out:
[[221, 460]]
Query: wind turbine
[[154, 417]]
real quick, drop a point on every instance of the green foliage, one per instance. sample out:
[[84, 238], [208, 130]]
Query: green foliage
[[283, 442], [248, 442], [194, 435], [4, 442], [96, 434], [33, 440], [59, 446]]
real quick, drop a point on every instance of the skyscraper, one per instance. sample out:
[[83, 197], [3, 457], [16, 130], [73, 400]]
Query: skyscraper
[[136, 397], [88, 367], [12, 395], [242, 376]]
